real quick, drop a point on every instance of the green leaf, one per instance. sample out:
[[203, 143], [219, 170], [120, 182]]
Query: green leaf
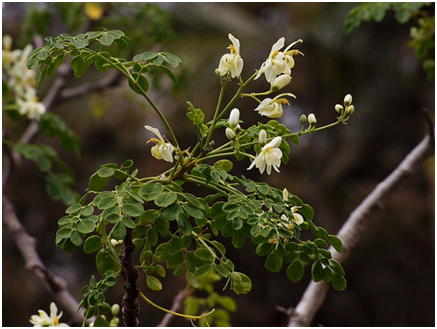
[[63, 233], [171, 212], [107, 202], [339, 282], [73, 209], [174, 260], [106, 261], [150, 191], [86, 226], [140, 85], [78, 65], [237, 223], [76, 238], [169, 73], [100, 322], [184, 224], [165, 199], [203, 270], [273, 262], [107, 39], [106, 171], [118, 232], [204, 253], [171, 59], [92, 244], [238, 239], [336, 242], [191, 279], [263, 249], [128, 222], [153, 283], [295, 271], [317, 271], [163, 251], [242, 287], [87, 211], [79, 43], [224, 165], [193, 211], [148, 216], [221, 270], [97, 183], [131, 209], [336, 266]]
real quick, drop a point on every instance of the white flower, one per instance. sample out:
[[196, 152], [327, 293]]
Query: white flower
[[234, 117], [230, 134], [280, 82], [347, 100], [161, 150], [278, 62], [231, 62], [270, 156], [262, 138], [312, 119], [298, 219], [31, 108], [43, 320], [272, 108]]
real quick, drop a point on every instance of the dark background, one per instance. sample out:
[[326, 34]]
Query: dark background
[[391, 272]]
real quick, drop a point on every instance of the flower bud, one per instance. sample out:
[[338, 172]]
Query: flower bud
[[312, 119], [280, 82], [347, 100], [234, 117], [303, 119], [285, 194], [115, 309], [114, 243], [230, 134], [350, 110], [262, 138], [237, 128], [339, 108]]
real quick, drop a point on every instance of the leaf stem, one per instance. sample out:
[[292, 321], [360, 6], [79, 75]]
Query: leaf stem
[[191, 317]]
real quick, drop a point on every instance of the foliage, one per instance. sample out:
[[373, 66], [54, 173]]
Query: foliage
[[422, 35], [175, 228]]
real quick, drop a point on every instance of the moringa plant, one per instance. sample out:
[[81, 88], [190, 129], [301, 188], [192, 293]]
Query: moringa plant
[[152, 224]]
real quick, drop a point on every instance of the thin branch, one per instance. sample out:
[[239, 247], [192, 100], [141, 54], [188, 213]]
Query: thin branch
[[27, 247], [176, 307], [109, 80], [352, 229]]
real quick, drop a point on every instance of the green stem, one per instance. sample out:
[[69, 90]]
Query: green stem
[[217, 109], [192, 317]]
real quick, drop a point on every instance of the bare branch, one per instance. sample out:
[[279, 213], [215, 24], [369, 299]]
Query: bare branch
[[176, 307], [351, 231], [109, 80], [27, 247]]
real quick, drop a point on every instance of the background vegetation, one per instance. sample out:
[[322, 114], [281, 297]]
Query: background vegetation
[[390, 273]]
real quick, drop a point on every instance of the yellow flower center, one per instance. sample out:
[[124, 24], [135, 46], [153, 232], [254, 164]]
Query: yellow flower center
[[56, 321], [232, 49]]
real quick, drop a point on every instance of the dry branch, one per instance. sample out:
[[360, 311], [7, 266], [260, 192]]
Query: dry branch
[[352, 229], [26, 244]]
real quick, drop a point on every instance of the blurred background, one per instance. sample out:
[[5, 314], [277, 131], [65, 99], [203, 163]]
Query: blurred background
[[391, 272]]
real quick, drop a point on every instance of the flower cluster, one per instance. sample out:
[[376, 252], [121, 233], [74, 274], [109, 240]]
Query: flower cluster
[[43, 320], [21, 80]]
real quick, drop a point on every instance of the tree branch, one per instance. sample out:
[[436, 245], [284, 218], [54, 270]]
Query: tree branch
[[131, 307], [352, 229], [176, 307], [27, 247]]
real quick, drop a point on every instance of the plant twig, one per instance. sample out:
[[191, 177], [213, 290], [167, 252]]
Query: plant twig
[[27, 247], [352, 229]]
